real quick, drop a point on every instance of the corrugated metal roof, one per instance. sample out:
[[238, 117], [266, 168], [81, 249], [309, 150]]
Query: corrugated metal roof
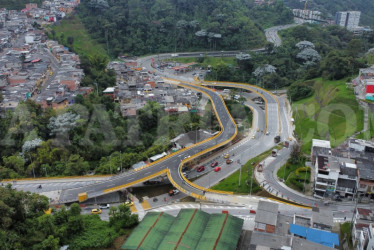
[[150, 232], [191, 229], [229, 236], [187, 228], [318, 236]]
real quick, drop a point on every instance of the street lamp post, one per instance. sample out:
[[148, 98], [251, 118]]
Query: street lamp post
[[250, 192], [305, 179], [110, 162], [240, 174]]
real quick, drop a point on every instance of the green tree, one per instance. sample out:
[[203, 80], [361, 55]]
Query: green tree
[[74, 210], [76, 165], [121, 217]]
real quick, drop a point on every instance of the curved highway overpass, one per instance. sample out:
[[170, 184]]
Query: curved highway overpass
[[171, 164]]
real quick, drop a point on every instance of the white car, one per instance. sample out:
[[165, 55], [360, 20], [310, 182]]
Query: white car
[[104, 206]]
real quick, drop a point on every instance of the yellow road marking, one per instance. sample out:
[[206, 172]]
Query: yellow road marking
[[249, 87], [135, 182], [290, 204], [145, 205], [133, 209]]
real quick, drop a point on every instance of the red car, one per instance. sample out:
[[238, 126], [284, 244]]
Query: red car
[[217, 169], [214, 164], [200, 169]]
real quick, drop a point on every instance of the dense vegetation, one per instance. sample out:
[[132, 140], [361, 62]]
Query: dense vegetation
[[24, 225], [88, 135], [330, 7], [143, 27], [17, 4], [307, 52]]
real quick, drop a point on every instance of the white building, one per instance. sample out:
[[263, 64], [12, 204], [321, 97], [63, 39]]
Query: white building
[[348, 19]]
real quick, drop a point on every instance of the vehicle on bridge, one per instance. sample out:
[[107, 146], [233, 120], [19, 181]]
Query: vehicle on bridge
[[214, 164], [274, 152], [200, 169], [277, 139]]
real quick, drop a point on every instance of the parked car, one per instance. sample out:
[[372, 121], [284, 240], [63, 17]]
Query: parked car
[[217, 169], [229, 161], [200, 169], [96, 211], [226, 156], [214, 164], [104, 206], [173, 192]]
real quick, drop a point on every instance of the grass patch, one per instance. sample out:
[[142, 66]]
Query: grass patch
[[332, 113], [231, 183], [83, 44], [294, 180], [207, 60]]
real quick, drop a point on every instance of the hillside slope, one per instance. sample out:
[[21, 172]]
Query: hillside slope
[[150, 26], [332, 113]]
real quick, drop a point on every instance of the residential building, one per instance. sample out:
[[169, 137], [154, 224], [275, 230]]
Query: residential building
[[348, 19], [363, 229], [369, 241], [266, 217], [319, 147], [292, 232], [335, 175], [322, 219]]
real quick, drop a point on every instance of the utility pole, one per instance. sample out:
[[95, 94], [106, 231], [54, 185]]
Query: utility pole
[[354, 211], [120, 157], [252, 171]]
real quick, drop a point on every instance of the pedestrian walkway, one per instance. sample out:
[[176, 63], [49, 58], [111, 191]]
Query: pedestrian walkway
[[138, 208], [266, 182]]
